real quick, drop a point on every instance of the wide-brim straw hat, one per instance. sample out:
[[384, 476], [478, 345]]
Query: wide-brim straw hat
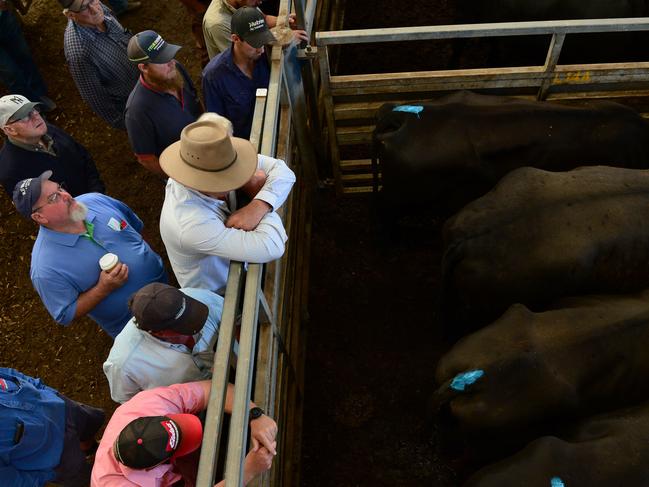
[[207, 159]]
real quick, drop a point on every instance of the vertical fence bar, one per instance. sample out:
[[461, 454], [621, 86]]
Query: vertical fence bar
[[243, 379], [554, 51], [325, 86], [215, 408]]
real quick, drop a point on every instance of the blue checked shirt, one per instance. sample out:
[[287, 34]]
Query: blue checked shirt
[[100, 67]]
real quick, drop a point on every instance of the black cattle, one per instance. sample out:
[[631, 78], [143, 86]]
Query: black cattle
[[578, 49], [539, 235], [588, 356], [605, 451], [446, 153]]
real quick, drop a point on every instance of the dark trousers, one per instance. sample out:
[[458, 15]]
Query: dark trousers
[[17, 69], [81, 424]]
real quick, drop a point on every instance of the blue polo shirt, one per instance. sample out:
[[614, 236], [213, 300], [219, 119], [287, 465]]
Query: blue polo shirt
[[65, 265], [32, 429], [154, 119], [231, 93]]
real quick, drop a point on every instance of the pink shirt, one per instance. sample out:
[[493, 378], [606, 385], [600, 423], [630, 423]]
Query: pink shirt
[[178, 398]]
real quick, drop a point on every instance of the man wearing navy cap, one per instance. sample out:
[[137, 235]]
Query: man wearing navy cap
[[44, 436], [162, 103], [74, 234]]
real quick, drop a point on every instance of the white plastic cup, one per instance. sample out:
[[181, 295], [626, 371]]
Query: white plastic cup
[[108, 262]]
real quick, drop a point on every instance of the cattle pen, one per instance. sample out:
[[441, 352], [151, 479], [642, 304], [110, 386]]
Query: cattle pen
[[350, 102], [310, 117]]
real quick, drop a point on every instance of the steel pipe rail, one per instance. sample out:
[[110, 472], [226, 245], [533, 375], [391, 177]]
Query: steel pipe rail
[[363, 36], [264, 137]]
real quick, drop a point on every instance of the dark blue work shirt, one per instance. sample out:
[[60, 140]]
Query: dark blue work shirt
[[32, 428], [154, 120], [229, 92]]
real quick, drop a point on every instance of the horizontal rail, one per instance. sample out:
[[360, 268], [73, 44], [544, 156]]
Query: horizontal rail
[[362, 36]]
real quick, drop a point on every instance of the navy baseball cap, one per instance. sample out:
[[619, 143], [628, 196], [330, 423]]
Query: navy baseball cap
[[149, 47], [27, 192], [249, 24]]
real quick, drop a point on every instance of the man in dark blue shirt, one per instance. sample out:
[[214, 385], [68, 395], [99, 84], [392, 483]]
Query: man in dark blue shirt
[[162, 103], [231, 79], [44, 436], [34, 146]]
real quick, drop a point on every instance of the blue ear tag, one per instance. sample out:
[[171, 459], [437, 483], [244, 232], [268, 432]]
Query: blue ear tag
[[416, 109], [556, 482], [460, 381]]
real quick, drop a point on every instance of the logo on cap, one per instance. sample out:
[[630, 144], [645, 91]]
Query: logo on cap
[[172, 431], [156, 45], [18, 100], [24, 186]]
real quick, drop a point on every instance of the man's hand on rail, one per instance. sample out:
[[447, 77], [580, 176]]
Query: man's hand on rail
[[263, 431], [248, 217], [256, 462]]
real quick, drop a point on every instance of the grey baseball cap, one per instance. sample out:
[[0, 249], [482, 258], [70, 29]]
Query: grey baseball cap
[[249, 24], [149, 47], [14, 107]]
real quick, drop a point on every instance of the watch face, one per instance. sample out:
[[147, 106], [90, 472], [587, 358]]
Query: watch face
[[255, 413]]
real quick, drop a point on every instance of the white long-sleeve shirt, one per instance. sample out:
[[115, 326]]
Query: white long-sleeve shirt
[[200, 246]]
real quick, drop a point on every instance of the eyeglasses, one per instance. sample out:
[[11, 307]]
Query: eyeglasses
[[26, 118], [53, 198]]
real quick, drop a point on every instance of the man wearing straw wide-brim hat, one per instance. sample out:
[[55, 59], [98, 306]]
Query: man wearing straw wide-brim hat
[[200, 224]]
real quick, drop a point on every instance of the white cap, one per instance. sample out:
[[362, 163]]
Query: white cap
[[108, 261], [16, 106]]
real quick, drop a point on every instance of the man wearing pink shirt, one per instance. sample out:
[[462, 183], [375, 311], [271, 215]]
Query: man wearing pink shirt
[[161, 448]]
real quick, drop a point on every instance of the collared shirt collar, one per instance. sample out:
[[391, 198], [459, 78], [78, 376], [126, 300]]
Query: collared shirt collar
[[49, 145], [66, 239]]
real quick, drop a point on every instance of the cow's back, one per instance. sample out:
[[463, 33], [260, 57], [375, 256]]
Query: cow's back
[[540, 235]]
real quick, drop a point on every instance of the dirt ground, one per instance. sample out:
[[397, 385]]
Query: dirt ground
[[70, 358]]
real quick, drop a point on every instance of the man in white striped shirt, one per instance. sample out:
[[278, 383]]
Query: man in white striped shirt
[[200, 224]]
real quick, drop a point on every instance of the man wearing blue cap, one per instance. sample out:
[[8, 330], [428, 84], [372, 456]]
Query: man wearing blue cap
[[162, 103], [74, 234]]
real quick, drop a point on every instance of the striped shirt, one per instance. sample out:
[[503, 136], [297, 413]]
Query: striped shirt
[[100, 67]]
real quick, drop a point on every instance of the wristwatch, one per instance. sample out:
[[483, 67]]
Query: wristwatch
[[255, 413]]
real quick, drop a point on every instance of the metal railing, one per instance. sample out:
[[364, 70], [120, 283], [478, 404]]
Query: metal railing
[[251, 299]]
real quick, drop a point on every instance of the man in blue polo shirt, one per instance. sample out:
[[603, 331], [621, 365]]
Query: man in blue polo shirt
[[162, 103], [74, 234], [44, 436]]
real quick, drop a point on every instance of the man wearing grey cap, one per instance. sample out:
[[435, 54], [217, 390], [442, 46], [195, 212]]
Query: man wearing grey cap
[[170, 340], [95, 50], [162, 103], [74, 235], [34, 146]]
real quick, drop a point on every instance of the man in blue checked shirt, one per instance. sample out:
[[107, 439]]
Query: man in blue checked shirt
[[44, 436], [95, 50], [74, 234]]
